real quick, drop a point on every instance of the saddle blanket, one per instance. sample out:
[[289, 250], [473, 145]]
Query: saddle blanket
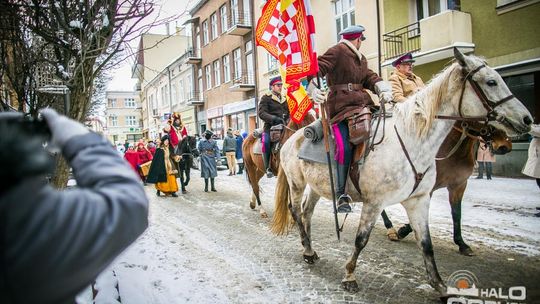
[[314, 150]]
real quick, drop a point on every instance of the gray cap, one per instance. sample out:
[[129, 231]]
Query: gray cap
[[353, 32]]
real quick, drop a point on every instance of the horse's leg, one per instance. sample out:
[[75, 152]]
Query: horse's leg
[[370, 212], [418, 212], [391, 232], [295, 207], [308, 205], [181, 168], [188, 173], [455, 195]]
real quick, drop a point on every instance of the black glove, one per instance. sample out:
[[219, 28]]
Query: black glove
[[276, 120]]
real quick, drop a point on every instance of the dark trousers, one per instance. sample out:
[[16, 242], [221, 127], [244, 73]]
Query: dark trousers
[[267, 149], [343, 169], [488, 166]]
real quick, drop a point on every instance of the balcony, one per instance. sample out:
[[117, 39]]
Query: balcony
[[193, 56], [243, 82], [240, 23], [195, 99], [431, 39]]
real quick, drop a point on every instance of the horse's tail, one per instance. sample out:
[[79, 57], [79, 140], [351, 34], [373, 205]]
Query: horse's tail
[[282, 219], [249, 163]]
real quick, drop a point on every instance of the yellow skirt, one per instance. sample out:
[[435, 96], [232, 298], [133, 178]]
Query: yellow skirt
[[169, 186]]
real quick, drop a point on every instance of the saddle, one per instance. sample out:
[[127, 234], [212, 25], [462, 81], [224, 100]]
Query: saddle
[[314, 150]]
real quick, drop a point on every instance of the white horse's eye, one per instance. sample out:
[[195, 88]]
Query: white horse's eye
[[491, 83]]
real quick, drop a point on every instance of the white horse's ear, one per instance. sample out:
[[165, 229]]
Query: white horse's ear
[[460, 57]]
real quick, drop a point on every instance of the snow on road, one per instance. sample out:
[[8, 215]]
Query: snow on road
[[173, 262]]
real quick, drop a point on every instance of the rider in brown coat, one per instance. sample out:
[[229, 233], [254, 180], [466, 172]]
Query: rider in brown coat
[[348, 76], [273, 110]]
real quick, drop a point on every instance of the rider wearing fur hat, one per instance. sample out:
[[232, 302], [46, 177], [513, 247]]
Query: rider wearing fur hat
[[273, 110], [348, 77]]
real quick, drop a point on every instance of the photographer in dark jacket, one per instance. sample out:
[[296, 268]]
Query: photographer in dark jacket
[[273, 110], [55, 243]]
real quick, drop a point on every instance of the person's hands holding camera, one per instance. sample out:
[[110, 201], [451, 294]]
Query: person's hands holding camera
[[62, 128]]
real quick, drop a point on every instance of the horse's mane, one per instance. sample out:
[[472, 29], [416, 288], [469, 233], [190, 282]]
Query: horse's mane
[[419, 110]]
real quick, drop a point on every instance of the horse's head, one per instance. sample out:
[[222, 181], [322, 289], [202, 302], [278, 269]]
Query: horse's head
[[497, 139], [500, 143], [486, 96]]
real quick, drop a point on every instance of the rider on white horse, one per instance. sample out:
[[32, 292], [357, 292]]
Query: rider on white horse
[[348, 76]]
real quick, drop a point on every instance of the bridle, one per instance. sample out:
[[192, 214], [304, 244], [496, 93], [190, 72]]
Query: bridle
[[488, 104]]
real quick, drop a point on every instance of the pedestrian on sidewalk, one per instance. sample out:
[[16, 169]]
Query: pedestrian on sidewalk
[[209, 154], [163, 170], [239, 156], [229, 146], [485, 159], [532, 167], [132, 157], [55, 243]]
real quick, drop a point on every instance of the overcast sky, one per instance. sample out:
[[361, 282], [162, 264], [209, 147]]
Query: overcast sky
[[165, 8]]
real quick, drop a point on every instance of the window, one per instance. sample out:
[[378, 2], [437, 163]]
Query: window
[[343, 15], [426, 8], [174, 95], [250, 75], [213, 24], [130, 103], [525, 88], [272, 62], [131, 121], [181, 95], [113, 120], [208, 75], [133, 137], [238, 121], [199, 80], [223, 15], [112, 102], [226, 69], [237, 64], [234, 12], [164, 95], [205, 32], [217, 73]]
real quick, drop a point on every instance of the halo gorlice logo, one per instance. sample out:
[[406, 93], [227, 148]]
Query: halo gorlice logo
[[462, 286]]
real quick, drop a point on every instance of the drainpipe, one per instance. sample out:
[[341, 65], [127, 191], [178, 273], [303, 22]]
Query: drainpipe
[[170, 90], [378, 37], [256, 76]]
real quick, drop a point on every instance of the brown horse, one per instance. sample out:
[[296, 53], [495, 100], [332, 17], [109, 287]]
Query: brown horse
[[254, 165], [454, 171]]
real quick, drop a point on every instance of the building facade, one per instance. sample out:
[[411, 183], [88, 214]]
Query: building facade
[[501, 31], [152, 69], [223, 59], [123, 117]]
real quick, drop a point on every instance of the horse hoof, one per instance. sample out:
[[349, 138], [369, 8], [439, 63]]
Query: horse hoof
[[252, 205], [310, 259], [264, 215], [350, 286], [466, 251], [404, 231], [392, 234]]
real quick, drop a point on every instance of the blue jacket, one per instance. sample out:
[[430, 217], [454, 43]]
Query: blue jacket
[[239, 142]]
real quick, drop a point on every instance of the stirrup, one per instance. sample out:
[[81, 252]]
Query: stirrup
[[269, 173], [343, 204]]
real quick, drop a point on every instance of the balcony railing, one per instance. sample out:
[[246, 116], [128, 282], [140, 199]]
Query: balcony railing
[[402, 40], [193, 56], [195, 98], [239, 23], [245, 81]]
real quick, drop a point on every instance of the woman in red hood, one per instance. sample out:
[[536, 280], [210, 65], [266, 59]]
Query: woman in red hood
[[132, 157]]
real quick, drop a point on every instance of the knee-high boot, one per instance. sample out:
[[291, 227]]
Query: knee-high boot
[[212, 185], [343, 199], [206, 185], [489, 169]]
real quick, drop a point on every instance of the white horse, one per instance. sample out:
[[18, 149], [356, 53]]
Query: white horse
[[466, 90]]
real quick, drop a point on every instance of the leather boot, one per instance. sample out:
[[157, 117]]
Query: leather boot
[[212, 185], [206, 185], [266, 160], [343, 199]]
